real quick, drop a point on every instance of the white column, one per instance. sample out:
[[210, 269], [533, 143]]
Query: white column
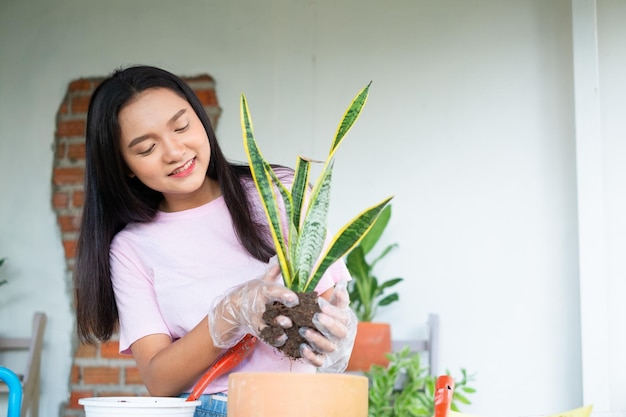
[[589, 159]]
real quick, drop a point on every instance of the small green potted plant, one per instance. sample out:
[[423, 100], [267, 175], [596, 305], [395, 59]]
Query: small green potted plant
[[405, 389], [367, 294]]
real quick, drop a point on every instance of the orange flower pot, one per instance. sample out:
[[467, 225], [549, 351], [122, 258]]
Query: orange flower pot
[[372, 343]]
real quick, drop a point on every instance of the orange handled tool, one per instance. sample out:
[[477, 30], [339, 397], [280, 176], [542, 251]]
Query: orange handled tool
[[230, 359], [444, 389]]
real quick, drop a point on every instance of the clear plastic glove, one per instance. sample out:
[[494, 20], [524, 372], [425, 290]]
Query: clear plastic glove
[[239, 311], [330, 343]]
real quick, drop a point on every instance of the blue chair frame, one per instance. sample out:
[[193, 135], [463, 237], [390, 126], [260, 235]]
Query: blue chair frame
[[15, 391]]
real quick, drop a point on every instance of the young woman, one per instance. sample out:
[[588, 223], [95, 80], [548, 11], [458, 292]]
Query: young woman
[[174, 249]]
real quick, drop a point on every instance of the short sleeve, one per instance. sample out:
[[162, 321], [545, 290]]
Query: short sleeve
[[139, 313]]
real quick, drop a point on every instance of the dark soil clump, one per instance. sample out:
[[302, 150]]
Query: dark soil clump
[[301, 316]]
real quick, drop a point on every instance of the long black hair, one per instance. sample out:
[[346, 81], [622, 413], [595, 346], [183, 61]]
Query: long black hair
[[113, 199]]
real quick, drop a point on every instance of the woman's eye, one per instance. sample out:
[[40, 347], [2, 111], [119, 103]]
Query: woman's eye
[[182, 128], [148, 151]]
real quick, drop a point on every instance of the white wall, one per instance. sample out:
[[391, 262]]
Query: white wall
[[470, 124], [612, 70]]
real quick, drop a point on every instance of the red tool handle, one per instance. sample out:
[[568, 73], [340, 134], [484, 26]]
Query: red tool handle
[[230, 359], [444, 389]]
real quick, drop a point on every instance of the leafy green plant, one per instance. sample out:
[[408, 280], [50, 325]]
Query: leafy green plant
[[405, 389], [300, 237], [366, 292]]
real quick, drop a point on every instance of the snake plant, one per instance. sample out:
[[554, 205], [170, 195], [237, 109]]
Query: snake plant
[[299, 238]]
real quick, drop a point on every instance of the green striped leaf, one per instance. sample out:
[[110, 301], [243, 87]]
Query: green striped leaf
[[371, 238], [294, 236], [263, 182], [313, 232], [349, 117], [346, 239], [288, 204], [284, 193], [299, 188]]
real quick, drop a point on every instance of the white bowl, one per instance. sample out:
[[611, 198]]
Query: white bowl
[[138, 406]]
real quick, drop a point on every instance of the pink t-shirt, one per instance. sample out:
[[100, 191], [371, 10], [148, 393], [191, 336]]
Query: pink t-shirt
[[167, 273]]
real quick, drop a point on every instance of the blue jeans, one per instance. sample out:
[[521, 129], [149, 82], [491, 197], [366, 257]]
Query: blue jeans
[[213, 405]]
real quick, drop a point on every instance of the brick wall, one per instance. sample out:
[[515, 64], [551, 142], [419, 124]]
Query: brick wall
[[97, 370]]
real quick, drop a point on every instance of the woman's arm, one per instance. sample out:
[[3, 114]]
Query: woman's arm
[[168, 368]]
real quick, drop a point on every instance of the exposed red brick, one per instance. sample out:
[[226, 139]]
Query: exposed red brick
[[60, 152], [70, 128], [76, 151], [133, 377], [101, 375], [86, 351], [63, 110], [75, 375], [81, 85], [78, 198], [198, 78], [207, 97], [60, 200], [110, 350], [75, 396], [69, 223], [80, 104], [68, 175], [70, 248]]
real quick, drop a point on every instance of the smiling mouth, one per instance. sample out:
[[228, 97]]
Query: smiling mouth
[[184, 167]]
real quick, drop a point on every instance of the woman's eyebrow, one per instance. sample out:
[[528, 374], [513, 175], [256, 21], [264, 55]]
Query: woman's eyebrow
[[177, 115], [141, 138]]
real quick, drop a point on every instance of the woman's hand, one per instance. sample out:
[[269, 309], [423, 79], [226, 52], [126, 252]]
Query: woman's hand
[[330, 343], [240, 310]]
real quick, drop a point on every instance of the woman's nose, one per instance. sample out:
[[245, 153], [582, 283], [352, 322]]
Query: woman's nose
[[174, 149]]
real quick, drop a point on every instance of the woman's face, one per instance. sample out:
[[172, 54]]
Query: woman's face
[[166, 147]]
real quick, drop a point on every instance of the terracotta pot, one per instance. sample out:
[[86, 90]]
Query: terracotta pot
[[266, 394], [372, 343]]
